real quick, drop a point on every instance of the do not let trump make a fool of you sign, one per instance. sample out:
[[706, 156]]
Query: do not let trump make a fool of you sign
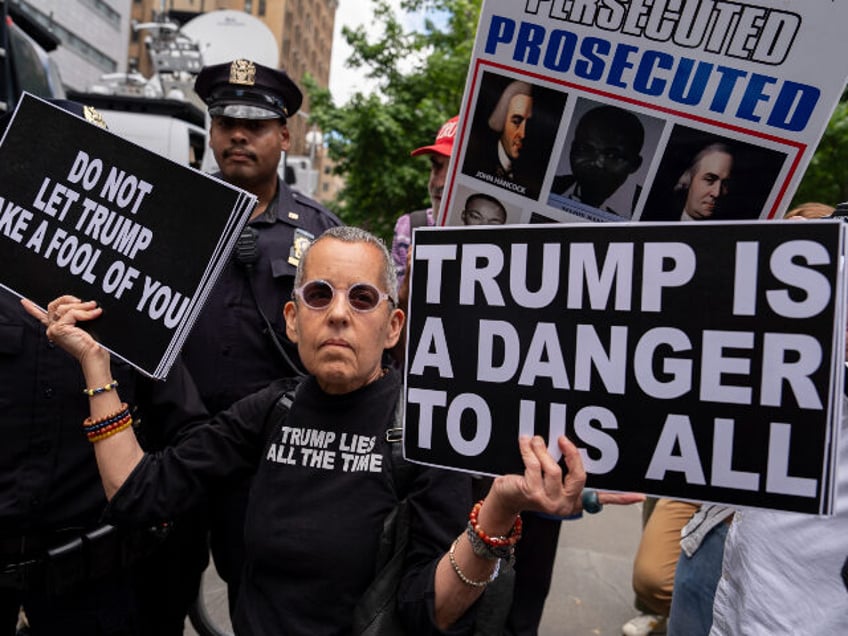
[[85, 212]]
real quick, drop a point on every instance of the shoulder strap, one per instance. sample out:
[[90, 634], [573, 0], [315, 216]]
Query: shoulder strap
[[401, 472], [418, 219], [279, 410]]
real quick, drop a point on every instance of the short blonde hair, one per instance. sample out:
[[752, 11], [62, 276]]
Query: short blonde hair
[[811, 210]]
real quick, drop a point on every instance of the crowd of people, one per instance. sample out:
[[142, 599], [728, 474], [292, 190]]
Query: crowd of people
[[109, 529]]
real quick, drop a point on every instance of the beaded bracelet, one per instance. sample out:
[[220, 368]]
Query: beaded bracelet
[[462, 576], [113, 417], [494, 542], [106, 426], [101, 389], [486, 551], [117, 429]]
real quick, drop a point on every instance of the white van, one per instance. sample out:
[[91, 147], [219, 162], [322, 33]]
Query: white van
[[170, 137]]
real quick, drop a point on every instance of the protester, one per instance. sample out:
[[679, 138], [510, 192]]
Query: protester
[[439, 155], [702, 539], [654, 564], [72, 573], [238, 344], [605, 151], [785, 572], [312, 526], [698, 571]]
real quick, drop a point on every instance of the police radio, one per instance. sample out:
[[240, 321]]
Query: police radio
[[246, 254]]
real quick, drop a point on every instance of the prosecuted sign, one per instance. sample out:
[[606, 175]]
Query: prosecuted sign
[[692, 361], [614, 110], [87, 213]]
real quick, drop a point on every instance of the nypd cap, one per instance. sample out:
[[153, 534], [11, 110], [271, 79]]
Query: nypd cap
[[245, 90]]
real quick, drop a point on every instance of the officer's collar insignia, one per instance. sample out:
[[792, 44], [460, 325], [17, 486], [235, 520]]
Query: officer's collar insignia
[[92, 115], [294, 216], [243, 72]]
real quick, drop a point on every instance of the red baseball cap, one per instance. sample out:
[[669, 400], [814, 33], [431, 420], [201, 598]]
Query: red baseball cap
[[444, 140]]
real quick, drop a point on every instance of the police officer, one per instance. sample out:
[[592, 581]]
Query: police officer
[[238, 344], [71, 573]]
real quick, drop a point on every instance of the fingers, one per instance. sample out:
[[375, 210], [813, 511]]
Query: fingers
[[35, 311], [57, 308], [576, 477], [620, 498], [532, 467], [62, 314]]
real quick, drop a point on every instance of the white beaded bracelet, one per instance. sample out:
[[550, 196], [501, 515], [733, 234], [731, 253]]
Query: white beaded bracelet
[[461, 574]]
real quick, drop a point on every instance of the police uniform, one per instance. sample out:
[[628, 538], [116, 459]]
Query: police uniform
[[72, 573], [229, 351]]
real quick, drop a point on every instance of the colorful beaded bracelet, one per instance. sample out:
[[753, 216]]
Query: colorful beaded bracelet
[[101, 389], [101, 436], [495, 542], [463, 577], [106, 426], [89, 422]]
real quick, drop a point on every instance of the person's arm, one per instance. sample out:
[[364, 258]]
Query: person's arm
[[118, 454], [142, 486], [401, 239], [541, 488]]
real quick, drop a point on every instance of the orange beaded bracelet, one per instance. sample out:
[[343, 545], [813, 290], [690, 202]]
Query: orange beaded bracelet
[[495, 542]]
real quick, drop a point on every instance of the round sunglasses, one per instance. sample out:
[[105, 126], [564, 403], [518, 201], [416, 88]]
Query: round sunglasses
[[362, 297]]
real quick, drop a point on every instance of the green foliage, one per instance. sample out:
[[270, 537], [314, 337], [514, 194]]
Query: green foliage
[[421, 79], [826, 178]]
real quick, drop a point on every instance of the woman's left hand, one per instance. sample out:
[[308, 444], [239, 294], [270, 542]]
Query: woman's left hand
[[542, 487]]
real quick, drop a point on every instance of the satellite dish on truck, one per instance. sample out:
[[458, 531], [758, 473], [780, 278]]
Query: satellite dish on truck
[[226, 35]]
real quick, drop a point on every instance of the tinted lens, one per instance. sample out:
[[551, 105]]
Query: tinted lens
[[317, 294], [363, 297]]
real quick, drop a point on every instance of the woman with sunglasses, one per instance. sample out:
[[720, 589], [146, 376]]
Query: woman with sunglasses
[[319, 496]]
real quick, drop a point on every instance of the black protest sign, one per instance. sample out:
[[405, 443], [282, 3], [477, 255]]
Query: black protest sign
[[695, 361], [87, 213]]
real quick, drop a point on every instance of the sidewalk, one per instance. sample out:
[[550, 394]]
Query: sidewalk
[[590, 593]]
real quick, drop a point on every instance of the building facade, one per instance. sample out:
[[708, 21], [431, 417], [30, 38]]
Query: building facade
[[94, 36]]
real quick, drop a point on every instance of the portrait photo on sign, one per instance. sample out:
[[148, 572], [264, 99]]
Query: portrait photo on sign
[[704, 176], [605, 158], [513, 128], [473, 207]]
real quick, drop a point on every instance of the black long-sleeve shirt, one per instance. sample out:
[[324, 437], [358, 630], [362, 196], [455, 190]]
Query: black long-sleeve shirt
[[317, 505]]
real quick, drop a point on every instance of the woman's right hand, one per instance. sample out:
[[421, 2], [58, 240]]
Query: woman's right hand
[[61, 320]]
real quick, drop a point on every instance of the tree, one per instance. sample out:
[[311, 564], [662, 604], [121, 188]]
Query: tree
[[371, 136], [826, 178]]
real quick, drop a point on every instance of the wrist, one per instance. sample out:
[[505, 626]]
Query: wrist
[[97, 368], [492, 544], [496, 518]]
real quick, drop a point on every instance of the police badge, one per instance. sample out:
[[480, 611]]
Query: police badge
[[301, 241], [243, 72]]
